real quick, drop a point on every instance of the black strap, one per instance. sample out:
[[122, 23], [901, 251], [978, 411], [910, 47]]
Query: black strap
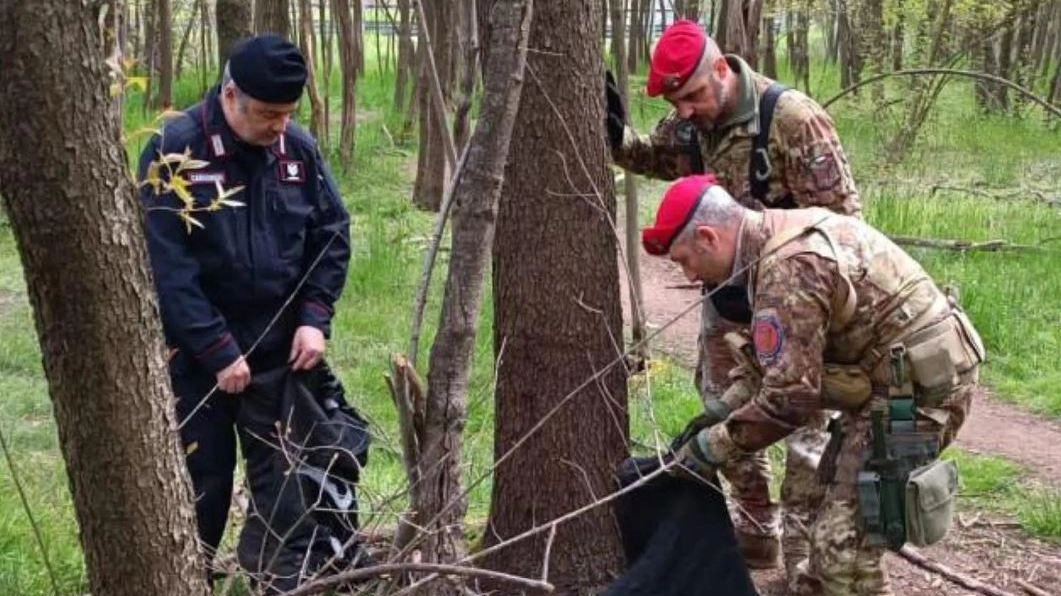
[[759, 167]]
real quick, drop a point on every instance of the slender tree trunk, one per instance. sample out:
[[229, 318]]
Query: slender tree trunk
[[872, 45], [847, 42], [437, 498], [204, 50], [150, 57], [432, 170], [802, 51], [305, 19], [468, 40], [79, 231], [898, 42], [192, 13], [233, 23], [557, 314], [326, 28], [359, 37], [829, 24], [769, 48], [634, 38], [272, 16], [164, 99], [406, 53], [348, 66]]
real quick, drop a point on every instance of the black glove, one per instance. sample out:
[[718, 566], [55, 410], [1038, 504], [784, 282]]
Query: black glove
[[714, 412], [615, 119]]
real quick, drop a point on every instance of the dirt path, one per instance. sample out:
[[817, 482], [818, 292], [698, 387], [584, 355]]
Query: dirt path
[[993, 427], [993, 553]]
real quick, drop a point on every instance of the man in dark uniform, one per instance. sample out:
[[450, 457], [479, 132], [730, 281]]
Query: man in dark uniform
[[224, 271]]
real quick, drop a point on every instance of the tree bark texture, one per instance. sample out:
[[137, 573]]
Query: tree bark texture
[[348, 65], [149, 58], [317, 123], [272, 16], [164, 97], [79, 229], [432, 171], [233, 24], [557, 312], [468, 43], [438, 494], [406, 53], [769, 48]]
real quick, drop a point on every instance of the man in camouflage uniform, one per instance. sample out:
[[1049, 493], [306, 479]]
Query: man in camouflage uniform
[[839, 312], [720, 107]]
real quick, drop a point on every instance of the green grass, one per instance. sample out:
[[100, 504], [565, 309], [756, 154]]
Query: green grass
[[997, 485], [1014, 300]]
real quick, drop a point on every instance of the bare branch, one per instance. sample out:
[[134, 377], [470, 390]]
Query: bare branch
[[910, 554]]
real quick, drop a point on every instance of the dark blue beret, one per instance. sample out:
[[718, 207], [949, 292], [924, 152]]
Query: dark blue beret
[[269, 68]]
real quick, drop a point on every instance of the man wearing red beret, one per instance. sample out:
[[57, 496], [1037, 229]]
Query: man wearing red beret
[[842, 319], [769, 147]]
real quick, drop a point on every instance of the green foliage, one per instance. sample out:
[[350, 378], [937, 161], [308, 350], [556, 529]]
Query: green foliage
[[1000, 486]]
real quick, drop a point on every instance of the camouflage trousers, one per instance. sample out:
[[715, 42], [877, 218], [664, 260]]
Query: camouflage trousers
[[755, 512], [840, 563]]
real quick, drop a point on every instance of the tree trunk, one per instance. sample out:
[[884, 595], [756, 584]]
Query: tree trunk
[[848, 46], [438, 500], [802, 50], [897, 42], [769, 48], [872, 45], [634, 38], [348, 65], [558, 315], [204, 49], [359, 37], [164, 99], [830, 22], [633, 262], [305, 21], [432, 170], [233, 24], [406, 54], [272, 16], [468, 42], [79, 231], [150, 56], [326, 27], [192, 13]]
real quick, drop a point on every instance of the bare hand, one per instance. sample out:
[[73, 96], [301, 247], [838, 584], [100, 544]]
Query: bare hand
[[235, 377], [307, 348]]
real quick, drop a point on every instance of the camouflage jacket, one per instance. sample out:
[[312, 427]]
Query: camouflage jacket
[[840, 294], [806, 158]]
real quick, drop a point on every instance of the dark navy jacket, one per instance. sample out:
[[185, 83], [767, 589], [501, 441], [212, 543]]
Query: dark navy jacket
[[220, 285]]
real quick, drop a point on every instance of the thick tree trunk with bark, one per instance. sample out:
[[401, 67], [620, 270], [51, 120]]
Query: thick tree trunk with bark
[[348, 65], [317, 124], [272, 16], [233, 23], [557, 315], [79, 230]]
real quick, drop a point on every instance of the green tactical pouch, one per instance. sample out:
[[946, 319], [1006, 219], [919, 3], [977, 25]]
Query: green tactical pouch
[[930, 495]]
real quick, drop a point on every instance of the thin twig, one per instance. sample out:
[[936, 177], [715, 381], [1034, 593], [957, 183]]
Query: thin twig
[[965, 245], [548, 553], [1031, 588]]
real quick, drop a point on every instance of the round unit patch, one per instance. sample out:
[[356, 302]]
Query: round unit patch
[[768, 335]]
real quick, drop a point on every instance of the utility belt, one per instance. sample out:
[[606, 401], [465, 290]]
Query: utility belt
[[906, 494]]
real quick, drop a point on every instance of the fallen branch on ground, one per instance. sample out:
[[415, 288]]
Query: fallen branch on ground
[[1031, 588], [965, 245], [910, 554], [327, 583]]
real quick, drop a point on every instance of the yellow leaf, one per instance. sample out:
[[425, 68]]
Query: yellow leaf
[[231, 203], [223, 194], [191, 448], [192, 164], [190, 221]]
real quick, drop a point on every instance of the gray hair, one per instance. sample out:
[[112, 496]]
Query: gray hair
[[717, 209], [226, 78]]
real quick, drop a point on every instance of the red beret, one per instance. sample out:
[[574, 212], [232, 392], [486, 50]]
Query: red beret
[[675, 58], [677, 209]]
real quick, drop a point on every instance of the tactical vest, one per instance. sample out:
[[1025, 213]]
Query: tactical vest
[[888, 316]]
